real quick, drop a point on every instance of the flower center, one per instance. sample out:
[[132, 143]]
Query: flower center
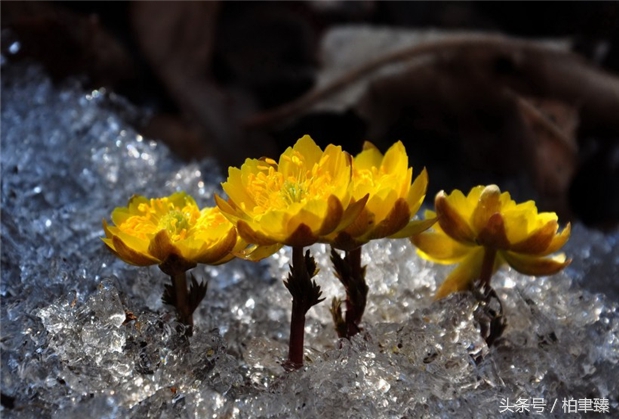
[[175, 223], [274, 190], [368, 177], [292, 192]]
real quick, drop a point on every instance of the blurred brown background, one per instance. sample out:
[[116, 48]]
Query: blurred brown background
[[542, 123]]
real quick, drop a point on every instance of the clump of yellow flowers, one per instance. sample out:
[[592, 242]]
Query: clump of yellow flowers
[[310, 195]]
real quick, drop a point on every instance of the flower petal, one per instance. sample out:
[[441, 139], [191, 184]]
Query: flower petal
[[301, 237], [362, 223], [493, 233], [413, 228], [134, 203], [309, 149], [450, 220], [396, 161], [161, 247], [134, 243], [337, 162], [219, 253], [440, 248], [352, 212], [333, 217], [538, 241], [181, 199], [417, 191], [120, 215], [106, 229], [463, 276], [252, 236], [131, 256], [235, 185], [311, 214], [558, 240], [256, 253], [465, 204], [538, 266], [369, 157], [227, 208], [522, 219], [489, 204], [396, 220]]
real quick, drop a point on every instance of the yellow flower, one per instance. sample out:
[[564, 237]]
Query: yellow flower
[[153, 231], [297, 201], [392, 202], [488, 228]]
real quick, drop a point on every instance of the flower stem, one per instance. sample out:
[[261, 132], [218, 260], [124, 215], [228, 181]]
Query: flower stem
[[357, 297], [487, 267], [297, 335], [185, 313], [352, 276], [298, 260], [177, 295], [305, 294], [297, 319]]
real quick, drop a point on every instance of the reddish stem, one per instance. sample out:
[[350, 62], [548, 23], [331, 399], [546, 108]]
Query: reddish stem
[[487, 266], [355, 304], [297, 335], [297, 319], [185, 313]]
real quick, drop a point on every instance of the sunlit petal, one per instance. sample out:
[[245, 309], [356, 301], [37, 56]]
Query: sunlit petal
[[161, 246], [450, 220], [533, 265], [396, 220], [487, 205], [417, 191], [492, 234], [333, 216], [256, 253], [440, 248], [413, 228], [253, 236], [463, 276], [538, 241], [558, 240], [131, 256]]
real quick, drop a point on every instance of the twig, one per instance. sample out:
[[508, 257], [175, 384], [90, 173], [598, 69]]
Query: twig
[[535, 114], [561, 73]]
